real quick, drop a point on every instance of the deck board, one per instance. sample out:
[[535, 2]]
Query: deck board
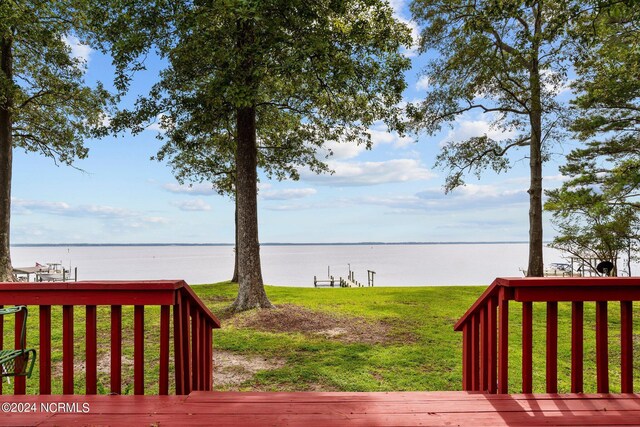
[[337, 409]]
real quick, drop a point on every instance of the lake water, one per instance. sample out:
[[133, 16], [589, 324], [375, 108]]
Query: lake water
[[294, 265]]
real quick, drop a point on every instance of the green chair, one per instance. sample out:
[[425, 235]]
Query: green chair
[[18, 362]]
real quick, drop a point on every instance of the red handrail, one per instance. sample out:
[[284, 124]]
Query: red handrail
[[192, 327], [485, 327]]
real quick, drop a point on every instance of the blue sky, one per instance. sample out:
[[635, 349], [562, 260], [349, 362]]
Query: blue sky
[[391, 193]]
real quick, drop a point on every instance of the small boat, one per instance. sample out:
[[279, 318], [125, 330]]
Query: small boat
[[558, 269]]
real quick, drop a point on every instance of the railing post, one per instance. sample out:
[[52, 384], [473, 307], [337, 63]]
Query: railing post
[[492, 362], [45, 349], [466, 357], [626, 346], [163, 380], [209, 361], [602, 347], [527, 346], [1, 339], [19, 384], [177, 345], [475, 352], [484, 348], [67, 349], [116, 349], [138, 349], [186, 309], [195, 348], [577, 346], [552, 347], [503, 342], [91, 350]]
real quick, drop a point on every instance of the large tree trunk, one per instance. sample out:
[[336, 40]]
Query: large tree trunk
[[6, 159], [234, 279], [251, 293], [536, 263]]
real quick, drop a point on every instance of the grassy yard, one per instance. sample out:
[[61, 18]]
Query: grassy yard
[[342, 339]]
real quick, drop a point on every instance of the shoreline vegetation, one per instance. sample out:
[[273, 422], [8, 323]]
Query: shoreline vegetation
[[334, 339]]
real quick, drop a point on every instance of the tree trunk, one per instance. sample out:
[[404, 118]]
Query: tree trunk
[[6, 159], [536, 263], [234, 279], [251, 293]]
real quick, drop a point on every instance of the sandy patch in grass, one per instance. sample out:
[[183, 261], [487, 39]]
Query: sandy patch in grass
[[234, 369], [348, 329]]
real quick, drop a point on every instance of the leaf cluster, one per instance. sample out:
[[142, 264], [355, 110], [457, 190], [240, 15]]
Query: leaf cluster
[[506, 59], [53, 110], [314, 72]]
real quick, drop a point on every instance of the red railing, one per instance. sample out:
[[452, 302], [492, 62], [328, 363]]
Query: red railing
[[485, 327], [192, 329]]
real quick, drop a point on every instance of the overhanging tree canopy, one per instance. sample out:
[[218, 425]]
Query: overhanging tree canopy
[[45, 106], [280, 77]]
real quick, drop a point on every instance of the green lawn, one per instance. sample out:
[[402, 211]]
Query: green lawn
[[342, 339]]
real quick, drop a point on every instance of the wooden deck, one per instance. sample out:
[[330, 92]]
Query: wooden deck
[[203, 408]]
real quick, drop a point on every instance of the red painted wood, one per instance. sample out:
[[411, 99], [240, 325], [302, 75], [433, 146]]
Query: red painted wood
[[475, 352], [209, 353], [602, 348], [177, 347], [466, 357], [577, 347], [19, 384], [490, 292], [338, 409], [593, 293], [527, 347], [626, 347], [503, 342], [552, 347], [138, 349], [186, 350], [86, 297], [492, 361], [116, 349], [1, 339], [195, 348], [203, 353], [67, 349], [484, 348], [91, 350], [45, 350], [163, 381]]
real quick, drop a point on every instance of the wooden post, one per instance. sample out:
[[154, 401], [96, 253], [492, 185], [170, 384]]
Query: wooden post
[[577, 346], [527, 347], [503, 342]]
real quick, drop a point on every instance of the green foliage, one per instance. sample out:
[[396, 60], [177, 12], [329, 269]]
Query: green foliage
[[53, 110], [314, 72], [597, 211], [506, 59]]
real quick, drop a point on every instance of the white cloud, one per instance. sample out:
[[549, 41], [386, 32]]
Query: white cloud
[[465, 128], [202, 189], [371, 173], [422, 83], [113, 215], [197, 205], [342, 150], [161, 124], [464, 199], [288, 194], [78, 50]]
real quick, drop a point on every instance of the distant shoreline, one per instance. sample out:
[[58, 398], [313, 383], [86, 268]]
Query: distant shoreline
[[27, 245]]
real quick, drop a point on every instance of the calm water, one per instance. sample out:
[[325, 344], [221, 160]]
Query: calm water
[[295, 265]]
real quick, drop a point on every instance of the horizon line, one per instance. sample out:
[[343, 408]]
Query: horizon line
[[373, 243]]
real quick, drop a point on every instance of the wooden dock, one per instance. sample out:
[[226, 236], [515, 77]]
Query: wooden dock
[[327, 409]]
